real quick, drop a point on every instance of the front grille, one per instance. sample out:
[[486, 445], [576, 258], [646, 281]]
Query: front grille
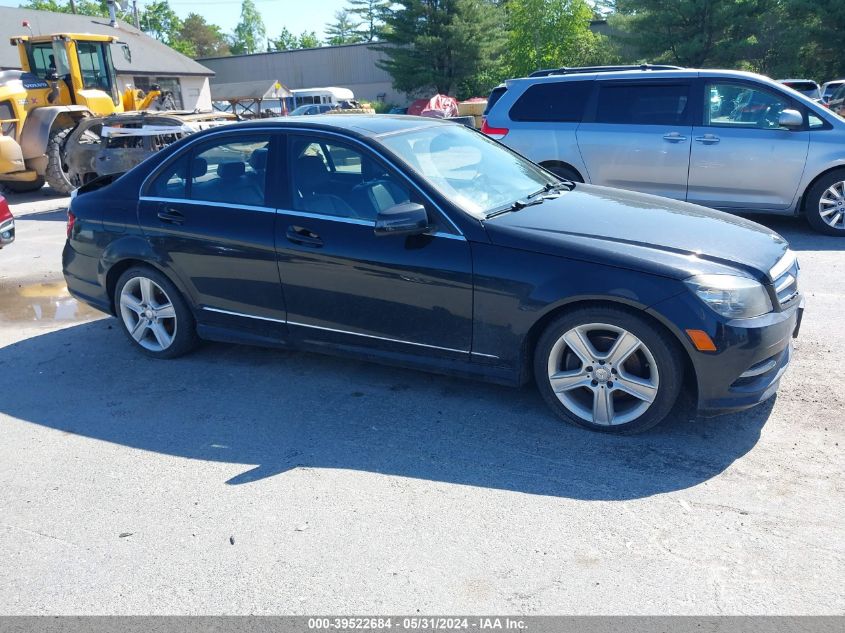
[[785, 278]]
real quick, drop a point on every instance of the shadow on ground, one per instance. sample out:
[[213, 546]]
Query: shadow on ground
[[273, 411]]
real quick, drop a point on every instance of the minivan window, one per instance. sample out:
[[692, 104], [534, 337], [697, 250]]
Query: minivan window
[[741, 105], [495, 95], [559, 102], [638, 104]]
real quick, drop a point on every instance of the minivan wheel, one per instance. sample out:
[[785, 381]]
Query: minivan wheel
[[608, 370], [824, 204], [154, 315], [564, 172]]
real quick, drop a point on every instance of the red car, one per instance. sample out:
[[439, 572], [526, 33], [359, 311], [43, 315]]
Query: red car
[[7, 223]]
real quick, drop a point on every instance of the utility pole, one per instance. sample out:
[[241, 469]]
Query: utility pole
[[73, 6], [135, 14]]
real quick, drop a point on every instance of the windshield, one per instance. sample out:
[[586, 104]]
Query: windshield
[[474, 172]]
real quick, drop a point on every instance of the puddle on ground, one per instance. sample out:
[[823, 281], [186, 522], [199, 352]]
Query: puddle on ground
[[41, 303]]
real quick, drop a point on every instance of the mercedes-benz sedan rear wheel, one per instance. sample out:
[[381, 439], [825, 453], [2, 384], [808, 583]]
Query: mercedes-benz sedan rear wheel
[[608, 370], [153, 313]]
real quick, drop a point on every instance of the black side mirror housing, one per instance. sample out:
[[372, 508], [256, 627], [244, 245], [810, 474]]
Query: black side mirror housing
[[406, 218]]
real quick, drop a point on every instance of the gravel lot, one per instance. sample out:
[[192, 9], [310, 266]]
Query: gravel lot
[[241, 480]]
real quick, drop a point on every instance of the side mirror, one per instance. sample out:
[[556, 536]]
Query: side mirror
[[790, 119], [407, 218]]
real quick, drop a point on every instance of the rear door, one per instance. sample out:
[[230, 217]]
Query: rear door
[[638, 136], [741, 158], [206, 215]]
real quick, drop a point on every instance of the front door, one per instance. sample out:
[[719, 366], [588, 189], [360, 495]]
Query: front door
[[206, 216], [342, 283], [741, 157], [639, 137]]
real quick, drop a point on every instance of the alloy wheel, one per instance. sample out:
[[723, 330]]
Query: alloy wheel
[[603, 374], [148, 314], [832, 206]]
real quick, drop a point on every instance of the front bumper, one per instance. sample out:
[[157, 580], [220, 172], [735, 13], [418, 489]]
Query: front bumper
[[751, 354]]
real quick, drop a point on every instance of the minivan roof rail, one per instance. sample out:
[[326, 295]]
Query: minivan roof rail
[[565, 70]]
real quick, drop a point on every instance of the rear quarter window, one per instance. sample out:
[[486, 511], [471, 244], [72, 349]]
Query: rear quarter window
[[558, 102], [495, 95]]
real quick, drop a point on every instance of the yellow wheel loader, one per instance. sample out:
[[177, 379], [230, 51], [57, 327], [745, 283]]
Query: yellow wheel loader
[[67, 79]]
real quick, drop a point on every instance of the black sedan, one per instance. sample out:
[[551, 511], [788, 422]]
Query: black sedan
[[425, 244]]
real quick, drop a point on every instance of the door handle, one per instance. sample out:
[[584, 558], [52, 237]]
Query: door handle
[[708, 139], [303, 236], [171, 216], [674, 137]]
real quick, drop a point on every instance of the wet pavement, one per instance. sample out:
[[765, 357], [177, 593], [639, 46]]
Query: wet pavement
[[43, 303]]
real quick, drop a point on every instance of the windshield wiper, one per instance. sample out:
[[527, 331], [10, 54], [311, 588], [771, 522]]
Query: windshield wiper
[[516, 206], [548, 192]]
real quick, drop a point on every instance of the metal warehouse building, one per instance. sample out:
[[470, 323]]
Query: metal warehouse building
[[350, 66], [152, 62]]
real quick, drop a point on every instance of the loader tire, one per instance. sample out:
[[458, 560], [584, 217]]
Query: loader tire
[[57, 173], [14, 186]]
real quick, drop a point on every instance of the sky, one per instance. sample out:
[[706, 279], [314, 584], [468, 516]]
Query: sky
[[296, 15]]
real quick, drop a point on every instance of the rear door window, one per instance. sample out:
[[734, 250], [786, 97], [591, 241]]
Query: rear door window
[[231, 171], [558, 102], [639, 104]]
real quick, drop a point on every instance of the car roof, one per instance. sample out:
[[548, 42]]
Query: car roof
[[685, 73], [370, 125], [803, 81]]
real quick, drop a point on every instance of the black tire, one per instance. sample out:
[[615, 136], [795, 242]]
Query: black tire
[[662, 348], [567, 173], [183, 330], [12, 186], [57, 174], [812, 203]]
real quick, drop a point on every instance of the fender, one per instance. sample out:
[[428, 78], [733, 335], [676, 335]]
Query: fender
[[36, 130], [135, 247]]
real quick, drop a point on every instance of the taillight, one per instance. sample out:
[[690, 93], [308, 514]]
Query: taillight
[[71, 220], [5, 212], [494, 132]]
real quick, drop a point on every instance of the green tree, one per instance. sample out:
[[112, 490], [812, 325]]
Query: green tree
[[550, 34], [813, 43], [160, 21], [344, 30], [287, 41], [440, 45], [207, 40], [695, 32], [370, 14], [83, 7], [250, 34], [309, 39]]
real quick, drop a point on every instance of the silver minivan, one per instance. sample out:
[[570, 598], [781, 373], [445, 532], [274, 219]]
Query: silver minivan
[[730, 140]]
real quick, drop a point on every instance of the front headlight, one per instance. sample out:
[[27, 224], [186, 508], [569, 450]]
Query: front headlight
[[731, 296]]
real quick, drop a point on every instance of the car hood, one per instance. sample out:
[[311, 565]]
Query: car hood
[[645, 232]]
